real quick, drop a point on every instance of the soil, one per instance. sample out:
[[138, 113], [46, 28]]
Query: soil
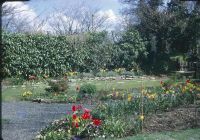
[[180, 118]]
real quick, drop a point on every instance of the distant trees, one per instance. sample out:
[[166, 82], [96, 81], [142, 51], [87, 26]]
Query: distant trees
[[76, 20], [18, 18], [170, 29], [155, 33]]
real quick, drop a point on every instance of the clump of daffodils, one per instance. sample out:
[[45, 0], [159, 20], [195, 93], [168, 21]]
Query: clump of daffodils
[[141, 117], [129, 97], [27, 93]]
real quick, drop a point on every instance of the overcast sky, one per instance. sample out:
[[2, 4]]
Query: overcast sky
[[45, 8]]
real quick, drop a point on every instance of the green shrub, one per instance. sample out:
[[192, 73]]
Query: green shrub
[[128, 73], [87, 89], [101, 74], [57, 85], [14, 81], [111, 74], [85, 75]]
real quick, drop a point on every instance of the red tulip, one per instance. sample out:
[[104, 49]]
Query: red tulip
[[74, 116], [75, 124], [79, 107], [86, 116], [187, 81], [87, 110], [74, 108], [96, 122]]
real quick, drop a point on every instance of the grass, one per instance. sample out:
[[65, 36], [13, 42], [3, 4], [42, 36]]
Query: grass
[[190, 134], [122, 84], [14, 93]]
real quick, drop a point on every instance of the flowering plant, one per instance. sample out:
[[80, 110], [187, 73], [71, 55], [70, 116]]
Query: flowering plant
[[81, 120]]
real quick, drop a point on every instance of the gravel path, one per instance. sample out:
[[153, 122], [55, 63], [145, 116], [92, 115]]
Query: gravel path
[[22, 120]]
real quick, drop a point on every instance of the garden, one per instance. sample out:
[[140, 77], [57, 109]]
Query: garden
[[110, 107], [141, 81], [108, 98]]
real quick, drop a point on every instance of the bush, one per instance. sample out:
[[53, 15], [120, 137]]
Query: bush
[[57, 85], [14, 81], [87, 89], [112, 74], [87, 75], [128, 73]]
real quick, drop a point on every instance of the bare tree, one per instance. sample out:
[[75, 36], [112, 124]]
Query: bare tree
[[77, 19], [14, 19]]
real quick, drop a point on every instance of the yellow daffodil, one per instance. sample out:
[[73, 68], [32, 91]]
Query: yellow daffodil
[[152, 96], [129, 97], [117, 94], [77, 120], [141, 117]]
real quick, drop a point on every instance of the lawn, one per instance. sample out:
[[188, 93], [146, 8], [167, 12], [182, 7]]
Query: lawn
[[190, 134], [122, 84], [14, 93]]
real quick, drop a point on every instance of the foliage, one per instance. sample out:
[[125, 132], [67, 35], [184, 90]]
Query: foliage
[[38, 54], [120, 118], [87, 89], [131, 49], [85, 75], [168, 29], [77, 124], [15, 81], [57, 86]]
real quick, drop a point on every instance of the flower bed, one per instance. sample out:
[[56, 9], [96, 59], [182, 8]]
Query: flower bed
[[124, 116]]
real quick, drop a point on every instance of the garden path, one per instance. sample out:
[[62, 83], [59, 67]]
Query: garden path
[[22, 120]]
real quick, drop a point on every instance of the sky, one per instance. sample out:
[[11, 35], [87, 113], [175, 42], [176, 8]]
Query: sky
[[45, 8]]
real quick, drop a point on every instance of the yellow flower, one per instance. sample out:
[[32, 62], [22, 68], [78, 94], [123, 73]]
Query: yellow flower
[[141, 117], [152, 96], [129, 97], [77, 120], [117, 94], [69, 131], [29, 93], [24, 94]]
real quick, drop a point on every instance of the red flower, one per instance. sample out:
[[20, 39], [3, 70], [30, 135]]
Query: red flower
[[187, 81], [74, 116], [96, 122], [75, 124], [74, 108], [86, 110], [86, 116], [79, 107]]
